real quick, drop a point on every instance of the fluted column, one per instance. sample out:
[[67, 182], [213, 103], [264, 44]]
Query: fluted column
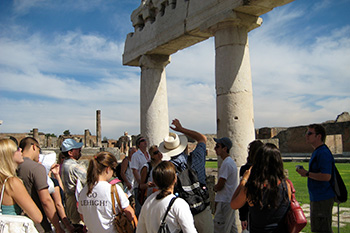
[[154, 98], [234, 97]]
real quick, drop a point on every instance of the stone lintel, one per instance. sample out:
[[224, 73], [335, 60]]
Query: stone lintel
[[260, 7], [164, 27]]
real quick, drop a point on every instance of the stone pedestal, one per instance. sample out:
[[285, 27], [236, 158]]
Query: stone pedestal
[[154, 98], [234, 97]]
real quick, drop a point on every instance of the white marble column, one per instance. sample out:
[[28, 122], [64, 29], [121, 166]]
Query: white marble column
[[154, 98], [234, 97]]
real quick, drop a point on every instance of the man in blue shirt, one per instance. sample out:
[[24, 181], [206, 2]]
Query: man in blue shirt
[[319, 175], [175, 147]]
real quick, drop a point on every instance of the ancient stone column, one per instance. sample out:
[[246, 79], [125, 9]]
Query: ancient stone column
[[154, 98], [36, 134], [98, 128], [87, 138], [234, 97]]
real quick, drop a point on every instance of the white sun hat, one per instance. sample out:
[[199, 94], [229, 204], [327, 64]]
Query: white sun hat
[[172, 145]]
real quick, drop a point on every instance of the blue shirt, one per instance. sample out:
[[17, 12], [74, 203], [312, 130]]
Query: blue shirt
[[321, 162], [198, 161], [11, 209]]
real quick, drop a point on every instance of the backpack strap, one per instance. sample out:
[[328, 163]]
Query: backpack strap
[[167, 210]]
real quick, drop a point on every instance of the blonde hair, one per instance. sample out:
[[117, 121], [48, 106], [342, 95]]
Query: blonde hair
[[8, 165]]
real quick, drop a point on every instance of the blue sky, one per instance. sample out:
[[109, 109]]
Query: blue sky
[[61, 60]]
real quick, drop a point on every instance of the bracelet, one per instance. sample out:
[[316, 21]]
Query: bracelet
[[307, 174], [244, 179]]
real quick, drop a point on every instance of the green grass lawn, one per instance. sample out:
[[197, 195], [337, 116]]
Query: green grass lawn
[[300, 185]]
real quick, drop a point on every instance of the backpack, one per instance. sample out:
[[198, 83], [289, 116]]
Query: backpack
[[339, 188], [188, 188], [163, 228]]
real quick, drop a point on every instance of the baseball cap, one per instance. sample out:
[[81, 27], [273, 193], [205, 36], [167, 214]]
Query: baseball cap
[[70, 144], [224, 141]]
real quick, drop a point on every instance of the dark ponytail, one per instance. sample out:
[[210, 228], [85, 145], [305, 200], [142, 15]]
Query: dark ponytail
[[97, 165], [164, 175]]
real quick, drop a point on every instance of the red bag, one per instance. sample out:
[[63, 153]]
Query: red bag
[[295, 218]]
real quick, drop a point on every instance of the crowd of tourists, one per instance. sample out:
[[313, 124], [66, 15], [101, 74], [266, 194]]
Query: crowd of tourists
[[161, 185]]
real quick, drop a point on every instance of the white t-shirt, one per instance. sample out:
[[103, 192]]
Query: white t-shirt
[[96, 208], [138, 159], [130, 176], [153, 210], [228, 171]]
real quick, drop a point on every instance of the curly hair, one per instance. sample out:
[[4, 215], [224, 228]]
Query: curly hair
[[266, 174]]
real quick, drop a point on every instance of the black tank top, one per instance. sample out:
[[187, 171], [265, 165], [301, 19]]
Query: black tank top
[[270, 219]]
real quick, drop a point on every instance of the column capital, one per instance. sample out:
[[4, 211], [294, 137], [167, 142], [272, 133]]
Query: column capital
[[236, 19], [154, 61]]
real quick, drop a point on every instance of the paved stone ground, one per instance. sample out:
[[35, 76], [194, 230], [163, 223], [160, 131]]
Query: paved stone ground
[[344, 217]]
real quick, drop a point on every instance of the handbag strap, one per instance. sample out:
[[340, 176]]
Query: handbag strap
[[292, 189], [115, 194], [167, 210], [2, 194]]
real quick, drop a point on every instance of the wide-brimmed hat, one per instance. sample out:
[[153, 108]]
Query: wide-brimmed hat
[[172, 145]]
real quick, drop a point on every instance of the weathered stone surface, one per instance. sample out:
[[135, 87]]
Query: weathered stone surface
[[343, 117], [164, 27]]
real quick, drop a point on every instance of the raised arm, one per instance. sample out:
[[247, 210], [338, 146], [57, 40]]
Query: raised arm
[[190, 133], [55, 169]]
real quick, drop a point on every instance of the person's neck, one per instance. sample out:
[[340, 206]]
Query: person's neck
[[317, 144], [143, 150], [28, 155], [102, 178], [224, 156], [155, 162]]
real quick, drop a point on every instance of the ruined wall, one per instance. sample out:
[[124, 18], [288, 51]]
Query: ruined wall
[[292, 140]]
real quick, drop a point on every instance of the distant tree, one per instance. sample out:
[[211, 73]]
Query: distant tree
[[51, 135], [66, 132], [105, 139]]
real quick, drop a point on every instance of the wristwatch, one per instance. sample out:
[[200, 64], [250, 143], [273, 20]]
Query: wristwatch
[[307, 174]]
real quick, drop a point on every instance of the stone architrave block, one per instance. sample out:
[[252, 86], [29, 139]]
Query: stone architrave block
[[164, 27]]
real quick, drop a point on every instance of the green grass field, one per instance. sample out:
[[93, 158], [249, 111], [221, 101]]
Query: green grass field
[[300, 185]]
